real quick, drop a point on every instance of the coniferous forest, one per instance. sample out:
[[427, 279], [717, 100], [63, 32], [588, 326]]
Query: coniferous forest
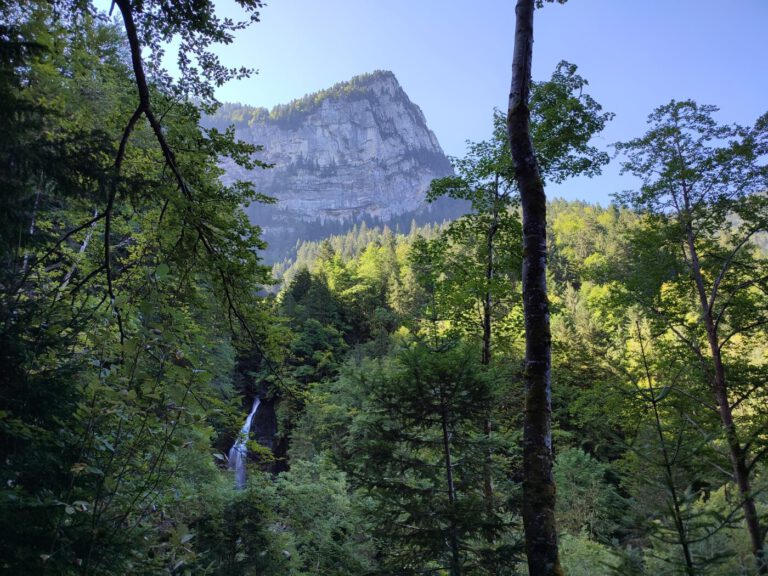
[[537, 387]]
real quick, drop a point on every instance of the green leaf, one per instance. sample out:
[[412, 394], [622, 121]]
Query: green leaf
[[162, 271]]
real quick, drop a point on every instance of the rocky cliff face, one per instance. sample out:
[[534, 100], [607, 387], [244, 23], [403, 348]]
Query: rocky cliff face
[[360, 150]]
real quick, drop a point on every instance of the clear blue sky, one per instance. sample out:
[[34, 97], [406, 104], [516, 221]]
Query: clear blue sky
[[454, 59]]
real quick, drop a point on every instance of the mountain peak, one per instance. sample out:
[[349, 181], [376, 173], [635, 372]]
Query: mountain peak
[[369, 85], [375, 76], [359, 150]]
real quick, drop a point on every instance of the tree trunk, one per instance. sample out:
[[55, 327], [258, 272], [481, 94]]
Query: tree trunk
[[486, 361], [453, 536], [720, 389], [538, 482], [488, 297], [669, 476]]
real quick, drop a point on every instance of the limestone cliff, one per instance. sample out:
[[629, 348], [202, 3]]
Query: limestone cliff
[[360, 150]]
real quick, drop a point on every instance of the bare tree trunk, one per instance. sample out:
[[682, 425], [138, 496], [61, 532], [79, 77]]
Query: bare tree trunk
[[538, 482]]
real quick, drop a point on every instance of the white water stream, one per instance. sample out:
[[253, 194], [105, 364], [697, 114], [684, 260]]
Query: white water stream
[[239, 452]]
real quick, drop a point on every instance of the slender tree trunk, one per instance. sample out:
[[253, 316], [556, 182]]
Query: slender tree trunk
[[737, 454], [488, 297], [682, 533], [453, 536], [538, 482], [25, 263], [486, 361]]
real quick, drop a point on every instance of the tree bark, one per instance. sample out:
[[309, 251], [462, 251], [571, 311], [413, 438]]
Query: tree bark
[[538, 482]]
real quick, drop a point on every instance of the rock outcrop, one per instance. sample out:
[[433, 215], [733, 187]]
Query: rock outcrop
[[359, 151]]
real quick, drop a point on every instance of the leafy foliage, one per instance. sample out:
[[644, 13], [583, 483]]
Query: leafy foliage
[[134, 322]]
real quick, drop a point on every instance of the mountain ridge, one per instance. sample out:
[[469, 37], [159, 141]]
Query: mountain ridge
[[360, 150]]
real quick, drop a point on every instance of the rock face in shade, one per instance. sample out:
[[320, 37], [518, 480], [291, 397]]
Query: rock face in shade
[[359, 151]]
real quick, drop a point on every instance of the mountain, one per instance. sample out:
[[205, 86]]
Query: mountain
[[359, 151]]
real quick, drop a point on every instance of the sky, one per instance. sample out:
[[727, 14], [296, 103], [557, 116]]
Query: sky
[[454, 58]]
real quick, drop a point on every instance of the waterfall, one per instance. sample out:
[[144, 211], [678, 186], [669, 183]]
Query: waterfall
[[239, 451]]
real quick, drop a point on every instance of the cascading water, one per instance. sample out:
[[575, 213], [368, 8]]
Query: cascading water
[[239, 451]]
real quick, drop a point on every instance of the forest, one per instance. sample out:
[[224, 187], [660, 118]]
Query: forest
[[410, 421]]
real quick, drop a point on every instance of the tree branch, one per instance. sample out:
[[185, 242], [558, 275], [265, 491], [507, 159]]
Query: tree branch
[[108, 212], [145, 104], [727, 265]]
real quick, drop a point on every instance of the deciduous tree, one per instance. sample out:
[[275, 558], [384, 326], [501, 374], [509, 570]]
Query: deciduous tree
[[565, 152], [704, 191]]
